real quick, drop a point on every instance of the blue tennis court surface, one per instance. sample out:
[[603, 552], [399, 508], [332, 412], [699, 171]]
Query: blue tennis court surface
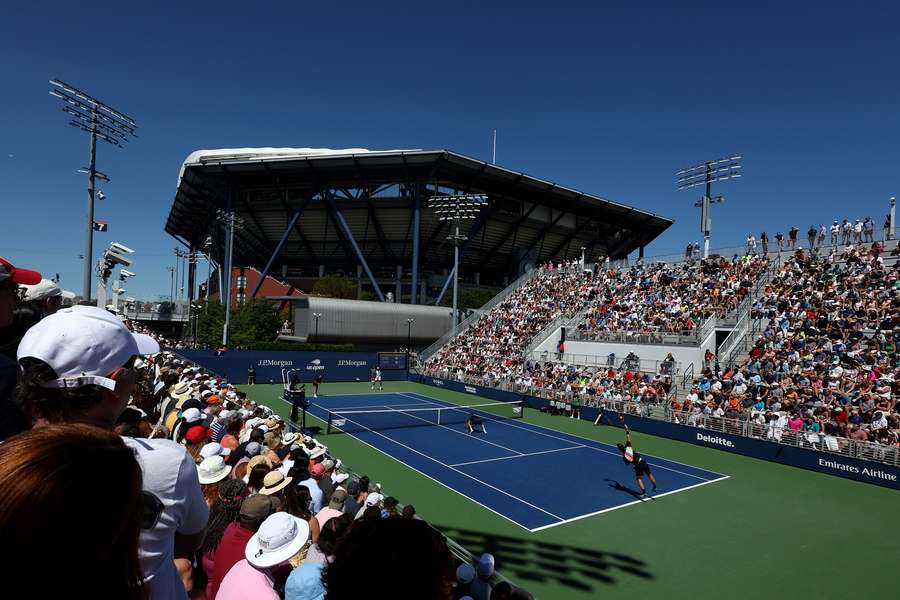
[[533, 476]]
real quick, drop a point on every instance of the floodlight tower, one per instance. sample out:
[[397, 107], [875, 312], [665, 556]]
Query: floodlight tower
[[231, 221], [103, 122], [705, 174], [456, 208]]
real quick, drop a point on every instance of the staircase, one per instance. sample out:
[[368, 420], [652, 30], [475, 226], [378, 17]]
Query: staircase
[[476, 315]]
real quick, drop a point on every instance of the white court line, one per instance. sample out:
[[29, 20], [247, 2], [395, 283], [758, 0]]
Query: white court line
[[377, 407], [592, 447], [486, 460], [463, 473], [593, 514], [468, 435]]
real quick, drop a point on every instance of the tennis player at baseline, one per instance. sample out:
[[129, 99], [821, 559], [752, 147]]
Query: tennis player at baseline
[[637, 461]]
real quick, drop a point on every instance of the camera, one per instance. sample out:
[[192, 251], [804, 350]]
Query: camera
[[116, 259], [117, 247]]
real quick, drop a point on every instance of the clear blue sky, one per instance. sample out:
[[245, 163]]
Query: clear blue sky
[[607, 99]]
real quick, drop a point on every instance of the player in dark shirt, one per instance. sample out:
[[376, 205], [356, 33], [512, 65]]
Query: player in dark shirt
[[637, 461], [473, 422], [316, 383]]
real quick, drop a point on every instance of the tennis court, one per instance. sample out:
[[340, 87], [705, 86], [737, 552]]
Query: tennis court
[[520, 471]]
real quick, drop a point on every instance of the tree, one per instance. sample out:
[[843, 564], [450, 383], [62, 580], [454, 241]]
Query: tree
[[335, 286], [253, 323]]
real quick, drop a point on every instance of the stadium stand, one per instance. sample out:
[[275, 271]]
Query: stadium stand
[[814, 352]]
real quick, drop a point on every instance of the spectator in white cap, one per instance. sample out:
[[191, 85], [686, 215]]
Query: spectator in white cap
[[12, 421], [465, 574], [484, 570], [77, 366], [279, 538], [45, 297]]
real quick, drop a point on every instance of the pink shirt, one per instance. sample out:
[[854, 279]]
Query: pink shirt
[[246, 581], [795, 424]]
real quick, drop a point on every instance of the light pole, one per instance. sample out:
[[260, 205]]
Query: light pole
[[891, 219], [232, 222], [456, 208], [409, 323], [171, 271], [103, 122], [705, 174], [207, 245], [316, 317]]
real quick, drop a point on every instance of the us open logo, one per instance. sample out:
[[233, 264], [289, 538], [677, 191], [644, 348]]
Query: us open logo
[[315, 365]]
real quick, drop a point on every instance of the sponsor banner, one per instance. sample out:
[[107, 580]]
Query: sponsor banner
[[331, 366], [805, 458]]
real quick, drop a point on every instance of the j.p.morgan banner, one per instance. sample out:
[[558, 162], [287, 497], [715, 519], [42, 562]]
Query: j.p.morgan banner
[[823, 462], [331, 366]]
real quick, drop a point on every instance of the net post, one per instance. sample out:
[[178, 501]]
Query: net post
[[328, 427]]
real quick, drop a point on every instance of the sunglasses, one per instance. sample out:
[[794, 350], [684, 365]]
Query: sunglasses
[[152, 509]]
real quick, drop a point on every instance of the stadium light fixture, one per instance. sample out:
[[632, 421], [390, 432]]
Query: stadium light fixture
[[455, 208], [720, 169], [102, 122]]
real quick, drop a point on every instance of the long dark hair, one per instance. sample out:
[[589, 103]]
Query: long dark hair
[[83, 483], [225, 510], [296, 501], [257, 475]]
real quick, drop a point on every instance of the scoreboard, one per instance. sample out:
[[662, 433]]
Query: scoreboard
[[392, 361]]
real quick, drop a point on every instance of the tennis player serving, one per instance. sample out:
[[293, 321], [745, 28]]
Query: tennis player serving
[[637, 461], [473, 422]]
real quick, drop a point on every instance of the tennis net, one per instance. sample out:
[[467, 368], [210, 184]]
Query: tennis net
[[351, 421]]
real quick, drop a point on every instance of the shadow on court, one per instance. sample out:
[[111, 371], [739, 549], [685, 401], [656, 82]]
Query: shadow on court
[[523, 560], [624, 488]]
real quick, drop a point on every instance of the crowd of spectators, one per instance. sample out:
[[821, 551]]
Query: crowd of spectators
[[642, 298], [671, 298], [171, 483], [825, 360]]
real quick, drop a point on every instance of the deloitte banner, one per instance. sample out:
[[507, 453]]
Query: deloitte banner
[[823, 462], [332, 366]]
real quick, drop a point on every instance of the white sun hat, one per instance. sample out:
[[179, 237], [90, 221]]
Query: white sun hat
[[280, 537], [84, 345], [212, 469]]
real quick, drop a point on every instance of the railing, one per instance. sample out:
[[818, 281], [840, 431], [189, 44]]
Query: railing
[[687, 377], [475, 316], [746, 427], [544, 333], [730, 251], [644, 365], [135, 315], [635, 337]]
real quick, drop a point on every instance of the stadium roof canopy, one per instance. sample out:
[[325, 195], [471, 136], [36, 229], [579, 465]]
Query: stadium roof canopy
[[356, 198]]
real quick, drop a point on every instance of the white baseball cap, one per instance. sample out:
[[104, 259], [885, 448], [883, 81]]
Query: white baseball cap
[[83, 345], [214, 449], [41, 291]]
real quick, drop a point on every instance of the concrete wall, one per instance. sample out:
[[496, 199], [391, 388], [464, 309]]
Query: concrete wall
[[686, 355]]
